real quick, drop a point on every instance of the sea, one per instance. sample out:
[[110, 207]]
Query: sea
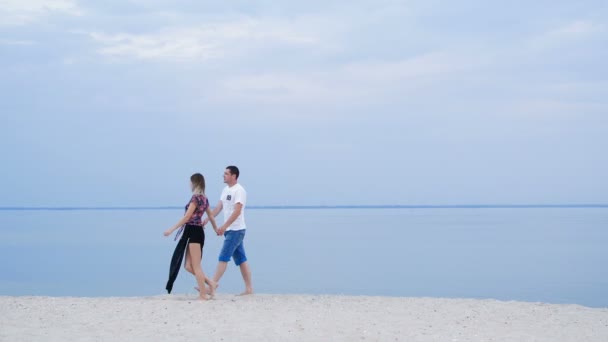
[[550, 254]]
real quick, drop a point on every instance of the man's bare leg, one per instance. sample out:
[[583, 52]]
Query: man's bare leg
[[246, 273], [219, 271]]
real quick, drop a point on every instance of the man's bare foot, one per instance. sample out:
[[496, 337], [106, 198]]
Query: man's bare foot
[[202, 297], [246, 293], [212, 287]]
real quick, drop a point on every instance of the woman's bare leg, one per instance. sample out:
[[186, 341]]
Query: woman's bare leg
[[188, 266], [188, 262], [195, 260]]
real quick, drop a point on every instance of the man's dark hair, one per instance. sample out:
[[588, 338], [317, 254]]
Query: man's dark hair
[[233, 170]]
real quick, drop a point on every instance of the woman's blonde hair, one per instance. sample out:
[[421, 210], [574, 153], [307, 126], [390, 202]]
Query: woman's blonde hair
[[198, 183]]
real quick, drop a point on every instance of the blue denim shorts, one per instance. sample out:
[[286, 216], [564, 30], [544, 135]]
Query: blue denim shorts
[[233, 247]]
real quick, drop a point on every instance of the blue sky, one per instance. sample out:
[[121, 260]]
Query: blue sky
[[318, 102]]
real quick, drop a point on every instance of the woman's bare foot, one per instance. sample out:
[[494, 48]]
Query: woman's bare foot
[[199, 290], [202, 297]]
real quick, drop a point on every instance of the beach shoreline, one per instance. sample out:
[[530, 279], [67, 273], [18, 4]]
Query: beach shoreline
[[273, 317]]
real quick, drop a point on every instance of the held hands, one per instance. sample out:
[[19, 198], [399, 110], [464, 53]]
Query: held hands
[[219, 231]]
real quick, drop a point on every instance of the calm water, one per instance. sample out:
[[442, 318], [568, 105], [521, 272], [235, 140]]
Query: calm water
[[555, 255]]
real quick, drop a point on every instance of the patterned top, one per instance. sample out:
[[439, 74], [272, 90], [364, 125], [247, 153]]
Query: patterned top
[[202, 203]]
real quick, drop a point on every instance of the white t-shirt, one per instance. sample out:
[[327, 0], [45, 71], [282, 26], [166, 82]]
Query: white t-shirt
[[230, 197]]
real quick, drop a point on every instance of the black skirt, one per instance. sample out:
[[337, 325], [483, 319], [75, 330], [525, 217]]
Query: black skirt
[[195, 234]]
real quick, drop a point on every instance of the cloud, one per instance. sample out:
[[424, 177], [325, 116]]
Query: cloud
[[199, 43], [573, 32], [424, 65], [23, 12], [355, 82], [369, 54], [578, 28], [175, 45], [16, 42]]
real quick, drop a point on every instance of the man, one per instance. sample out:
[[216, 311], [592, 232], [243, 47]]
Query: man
[[233, 202]]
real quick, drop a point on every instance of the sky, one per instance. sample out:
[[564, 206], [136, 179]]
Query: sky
[[117, 103]]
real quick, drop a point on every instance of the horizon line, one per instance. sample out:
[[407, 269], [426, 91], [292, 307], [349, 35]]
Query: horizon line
[[340, 206]]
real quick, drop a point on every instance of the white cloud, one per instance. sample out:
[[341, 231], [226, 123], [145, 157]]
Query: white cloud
[[16, 42], [23, 12], [551, 108], [174, 45], [579, 28], [572, 32], [200, 42], [425, 65], [276, 88], [350, 83]]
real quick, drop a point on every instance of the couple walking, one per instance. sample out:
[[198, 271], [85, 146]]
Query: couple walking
[[232, 202]]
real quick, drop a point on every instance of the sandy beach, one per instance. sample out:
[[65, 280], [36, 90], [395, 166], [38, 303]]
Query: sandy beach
[[295, 318]]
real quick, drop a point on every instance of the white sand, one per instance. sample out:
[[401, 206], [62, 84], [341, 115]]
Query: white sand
[[294, 318]]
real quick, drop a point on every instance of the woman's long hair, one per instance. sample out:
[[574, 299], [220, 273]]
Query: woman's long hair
[[198, 183]]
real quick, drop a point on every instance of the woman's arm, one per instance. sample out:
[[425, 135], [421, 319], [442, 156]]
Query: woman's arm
[[216, 211], [186, 218], [211, 218]]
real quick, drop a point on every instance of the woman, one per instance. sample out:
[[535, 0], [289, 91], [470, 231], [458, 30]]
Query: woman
[[194, 236]]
